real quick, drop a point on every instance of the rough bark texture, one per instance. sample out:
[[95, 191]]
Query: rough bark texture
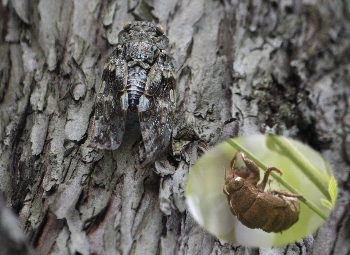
[[243, 67], [12, 238]]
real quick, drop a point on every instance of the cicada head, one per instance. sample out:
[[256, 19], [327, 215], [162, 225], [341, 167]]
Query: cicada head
[[143, 31], [233, 182]]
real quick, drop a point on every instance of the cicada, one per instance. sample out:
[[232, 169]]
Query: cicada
[[138, 76], [272, 211]]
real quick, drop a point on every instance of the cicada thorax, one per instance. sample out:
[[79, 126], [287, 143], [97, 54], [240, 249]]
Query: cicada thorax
[[141, 56], [243, 199]]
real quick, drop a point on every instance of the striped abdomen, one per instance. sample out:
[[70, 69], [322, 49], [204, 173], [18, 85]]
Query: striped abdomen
[[137, 77]]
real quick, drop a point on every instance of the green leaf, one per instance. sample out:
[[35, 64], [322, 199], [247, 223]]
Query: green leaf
[[333, 192], [333, 189], [327, 203]]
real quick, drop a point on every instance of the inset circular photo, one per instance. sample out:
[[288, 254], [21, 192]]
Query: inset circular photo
[[261, 191]]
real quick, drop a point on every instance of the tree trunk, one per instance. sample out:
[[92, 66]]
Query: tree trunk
[[243, 67]]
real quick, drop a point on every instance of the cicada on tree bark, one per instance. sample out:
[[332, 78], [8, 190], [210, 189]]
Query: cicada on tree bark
[[138, 75]]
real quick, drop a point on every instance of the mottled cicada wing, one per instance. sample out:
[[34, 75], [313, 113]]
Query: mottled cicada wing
[[111, 104], [157, 108]]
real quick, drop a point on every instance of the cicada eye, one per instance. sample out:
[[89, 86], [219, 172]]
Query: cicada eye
[[160, 30], [234, 184], [127, 25], [237, 183]]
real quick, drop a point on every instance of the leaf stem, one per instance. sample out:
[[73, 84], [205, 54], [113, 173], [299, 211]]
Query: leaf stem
[[315, 175]]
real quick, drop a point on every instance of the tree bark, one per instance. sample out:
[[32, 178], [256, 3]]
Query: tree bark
[[243, 67]]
